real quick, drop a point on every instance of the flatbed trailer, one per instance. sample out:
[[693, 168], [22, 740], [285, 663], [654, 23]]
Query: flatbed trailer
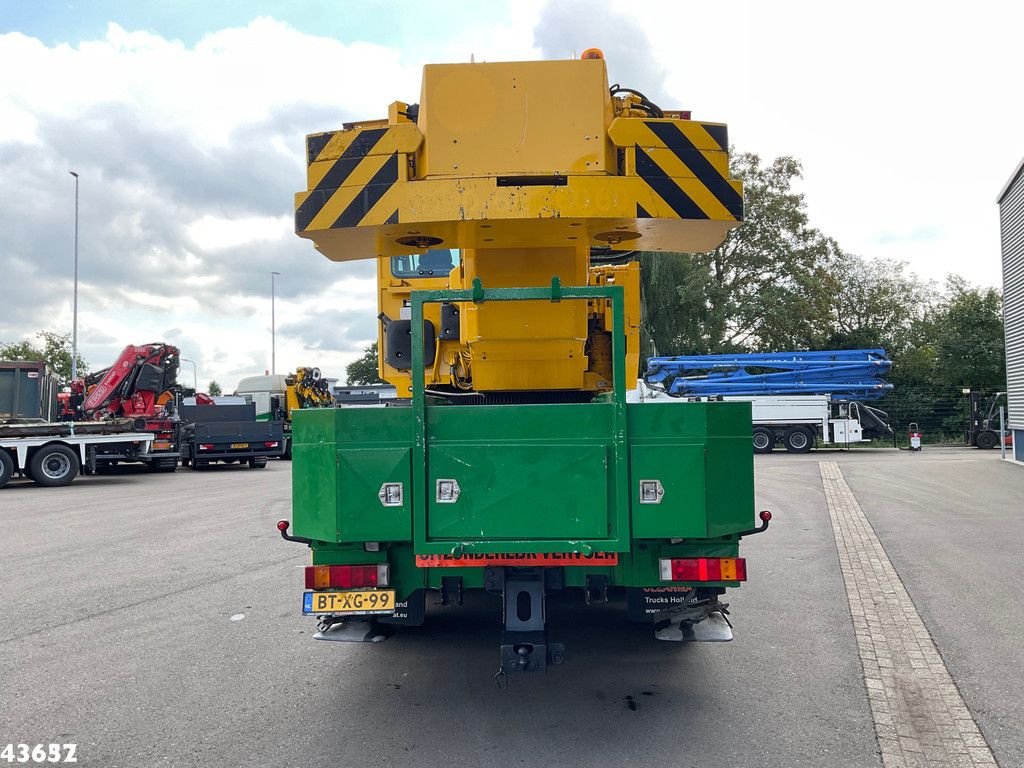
[[53, 454], [228, 434]]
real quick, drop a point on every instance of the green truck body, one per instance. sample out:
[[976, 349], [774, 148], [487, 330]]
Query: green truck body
[[606, 491], [533, 479]]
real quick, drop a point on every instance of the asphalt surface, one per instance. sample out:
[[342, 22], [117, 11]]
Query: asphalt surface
[[953, 527], [154, 620]]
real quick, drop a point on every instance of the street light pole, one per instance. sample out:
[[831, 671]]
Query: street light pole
[[273, 329], [74, 307], [195, 374]]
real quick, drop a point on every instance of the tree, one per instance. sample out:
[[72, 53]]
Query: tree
[[872, 303], [213, 388], [761, 287], [969, 344], [55, 350], [364, 370], [954, 342]]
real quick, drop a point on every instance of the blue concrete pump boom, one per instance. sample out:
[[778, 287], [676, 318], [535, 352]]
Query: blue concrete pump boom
[[850, 373]]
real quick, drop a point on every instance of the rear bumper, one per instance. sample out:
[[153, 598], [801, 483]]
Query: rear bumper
[[639, 568], [219, 454]]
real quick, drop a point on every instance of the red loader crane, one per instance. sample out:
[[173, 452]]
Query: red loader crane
[[139, 385]]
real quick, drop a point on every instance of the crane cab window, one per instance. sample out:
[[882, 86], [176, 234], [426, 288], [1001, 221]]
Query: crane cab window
[[433, 263]]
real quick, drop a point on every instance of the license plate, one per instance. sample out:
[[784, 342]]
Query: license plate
[[352, 602], [239, 445]]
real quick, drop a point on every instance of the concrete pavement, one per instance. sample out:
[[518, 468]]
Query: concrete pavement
[[122, 629]]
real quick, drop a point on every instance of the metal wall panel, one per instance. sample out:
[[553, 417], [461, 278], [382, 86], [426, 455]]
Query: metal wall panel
[[1011, 215]]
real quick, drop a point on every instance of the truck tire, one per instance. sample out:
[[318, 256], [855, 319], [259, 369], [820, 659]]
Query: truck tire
[[798, 440], [987, 440], [764, 440], [163, 465], [259, 462], [6, 467], [54, 465]]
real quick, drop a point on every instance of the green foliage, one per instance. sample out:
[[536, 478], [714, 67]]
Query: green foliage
[[364, 370], [969, 344], [55, 349], [759, 288], [213, 389]]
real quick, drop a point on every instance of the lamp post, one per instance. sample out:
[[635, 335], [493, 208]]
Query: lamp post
[[273, 329], [195, 375], [74, 307]]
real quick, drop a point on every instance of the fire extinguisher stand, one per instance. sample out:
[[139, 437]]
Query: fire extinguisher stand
[[914, 433]]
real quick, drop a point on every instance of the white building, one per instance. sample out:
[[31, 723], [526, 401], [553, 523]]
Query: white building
[[1011, 218]]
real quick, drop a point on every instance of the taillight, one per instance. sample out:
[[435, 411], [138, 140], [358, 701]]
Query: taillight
[[270, 445], [346, 576], [206, 446], [704, 569]]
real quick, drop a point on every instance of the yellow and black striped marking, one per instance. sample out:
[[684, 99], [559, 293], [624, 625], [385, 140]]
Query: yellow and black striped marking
[[694, 161], [316, 143], [344, 190], [685, 163], [718, 192]]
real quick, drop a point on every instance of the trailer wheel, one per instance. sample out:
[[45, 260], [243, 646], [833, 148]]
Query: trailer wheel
[[764, 440], [54, 465], [987, 439], [6, 467], [798, 440]]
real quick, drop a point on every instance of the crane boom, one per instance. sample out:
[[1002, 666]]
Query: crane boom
[[133, 384], [853, 373]]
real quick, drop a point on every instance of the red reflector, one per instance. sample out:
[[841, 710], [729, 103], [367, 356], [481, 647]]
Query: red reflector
[[346, 576], [206, 447], [270, 445], [704, 569]]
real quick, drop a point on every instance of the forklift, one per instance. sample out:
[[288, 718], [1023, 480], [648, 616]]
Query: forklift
[[982, 429]]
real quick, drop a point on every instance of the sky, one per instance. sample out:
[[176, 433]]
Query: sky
[[185, 121]]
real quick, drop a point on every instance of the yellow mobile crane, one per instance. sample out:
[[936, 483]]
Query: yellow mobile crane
[[494, 209]]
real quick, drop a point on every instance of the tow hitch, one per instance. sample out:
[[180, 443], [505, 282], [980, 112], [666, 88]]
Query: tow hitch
[[524, 638]]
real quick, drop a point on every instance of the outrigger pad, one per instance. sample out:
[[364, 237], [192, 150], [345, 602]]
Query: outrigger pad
[[350, 631], [714, 629]]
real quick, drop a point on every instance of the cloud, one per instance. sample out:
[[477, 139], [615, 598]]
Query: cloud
[[335, 330], [188, 160], [189, 154], [569, 27]]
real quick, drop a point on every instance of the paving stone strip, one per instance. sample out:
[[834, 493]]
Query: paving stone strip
[[920, 718]]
